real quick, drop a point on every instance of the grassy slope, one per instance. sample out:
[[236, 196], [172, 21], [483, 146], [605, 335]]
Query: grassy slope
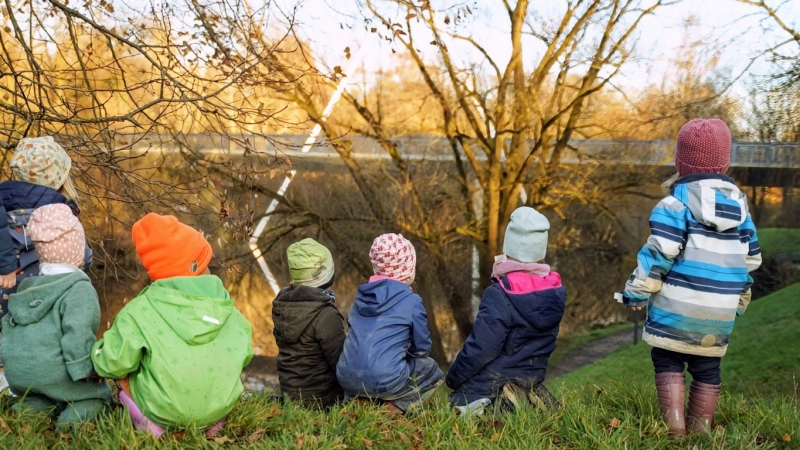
[[618, 416], [610, 404], [779, 240], [762, 356]]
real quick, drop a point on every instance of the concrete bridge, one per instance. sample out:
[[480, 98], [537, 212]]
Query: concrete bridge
[[758, 155]]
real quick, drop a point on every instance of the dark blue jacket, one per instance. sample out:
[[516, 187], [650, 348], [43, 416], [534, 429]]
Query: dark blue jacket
[[388, 325], [8, 256], [20, 199], [513, 335]]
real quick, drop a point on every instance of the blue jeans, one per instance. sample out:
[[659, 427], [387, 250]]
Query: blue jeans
[[704, 369]]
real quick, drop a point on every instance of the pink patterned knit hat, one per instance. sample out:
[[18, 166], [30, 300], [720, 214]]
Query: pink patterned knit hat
[[704, 146], [393, 256], [40, 160], [58, 235]]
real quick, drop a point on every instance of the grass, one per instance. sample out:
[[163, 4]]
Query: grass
[[620, 415], [610, 404], [775, 241], [762, 357]]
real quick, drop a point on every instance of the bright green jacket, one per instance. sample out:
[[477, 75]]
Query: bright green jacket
[[183, 345]]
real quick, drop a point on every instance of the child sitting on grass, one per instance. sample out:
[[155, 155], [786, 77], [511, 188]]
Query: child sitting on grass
[[178, 348], [308, 328], [517, 324], [386, 352], [693, 274], [50, 328]]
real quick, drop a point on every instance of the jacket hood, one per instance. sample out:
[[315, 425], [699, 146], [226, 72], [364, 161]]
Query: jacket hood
[[23, 195], [196, 308], [294, 308], [373, 298], [714, 200], [538, 299], [37, 295]]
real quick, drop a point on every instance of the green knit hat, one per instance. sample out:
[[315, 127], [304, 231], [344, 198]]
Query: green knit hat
[[310, 263]]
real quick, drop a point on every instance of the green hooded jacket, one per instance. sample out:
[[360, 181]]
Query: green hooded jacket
[[183, 345], [47, 338]]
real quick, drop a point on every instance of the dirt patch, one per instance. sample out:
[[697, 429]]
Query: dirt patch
[[590, 353]]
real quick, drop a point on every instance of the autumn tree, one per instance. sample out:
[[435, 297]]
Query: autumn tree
[[775, 100], [506, 132], [116, 83]]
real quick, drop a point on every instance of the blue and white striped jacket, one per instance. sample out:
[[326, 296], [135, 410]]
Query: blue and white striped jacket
[[694, 270]]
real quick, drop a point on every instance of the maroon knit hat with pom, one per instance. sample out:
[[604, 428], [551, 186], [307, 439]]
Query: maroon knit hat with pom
[[704, 146]]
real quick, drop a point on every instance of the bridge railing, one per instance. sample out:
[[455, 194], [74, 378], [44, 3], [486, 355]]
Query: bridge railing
[[743, 154]]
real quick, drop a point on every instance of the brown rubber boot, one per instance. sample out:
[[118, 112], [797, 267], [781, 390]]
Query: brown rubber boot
[[702, 404], [671, 389]]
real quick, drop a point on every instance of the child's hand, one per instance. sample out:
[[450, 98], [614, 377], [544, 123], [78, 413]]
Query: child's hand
[[8, 280], [631, 302]]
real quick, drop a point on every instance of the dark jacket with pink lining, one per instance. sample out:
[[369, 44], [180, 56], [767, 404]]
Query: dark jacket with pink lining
[[512, 338]]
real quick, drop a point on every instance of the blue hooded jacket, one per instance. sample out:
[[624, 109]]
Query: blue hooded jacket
[[694, 271], [388, 325], [513, 336], [20, 199]]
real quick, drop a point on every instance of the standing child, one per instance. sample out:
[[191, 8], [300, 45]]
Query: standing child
[[41, 168], [180, 346], [308, 328], [50, 329], [693, 274], [517, 324], [386, 352]]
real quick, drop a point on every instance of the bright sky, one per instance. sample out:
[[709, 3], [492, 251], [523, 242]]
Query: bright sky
[[738, 30]]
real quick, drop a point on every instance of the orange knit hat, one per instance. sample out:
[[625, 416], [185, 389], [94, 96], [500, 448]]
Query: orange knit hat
[[169, 248]]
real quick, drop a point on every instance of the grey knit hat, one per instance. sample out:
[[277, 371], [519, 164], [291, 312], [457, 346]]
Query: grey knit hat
[[526, 235]]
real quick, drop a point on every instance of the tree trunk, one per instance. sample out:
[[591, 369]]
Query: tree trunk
[[493, 209], [460, 304], [437, 349]]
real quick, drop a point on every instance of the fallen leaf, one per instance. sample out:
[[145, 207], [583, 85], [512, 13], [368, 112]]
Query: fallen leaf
[[599, 392], [404, 437], [299, 442], [497, 424], [615, 423], [256, 435], [417, 435], [495, 437], [222, 440], [367, 443], [786, 437]]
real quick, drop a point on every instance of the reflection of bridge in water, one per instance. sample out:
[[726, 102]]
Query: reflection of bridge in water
[[649, 153]]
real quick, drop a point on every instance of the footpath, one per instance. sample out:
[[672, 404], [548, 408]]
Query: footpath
[[590, 353]]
